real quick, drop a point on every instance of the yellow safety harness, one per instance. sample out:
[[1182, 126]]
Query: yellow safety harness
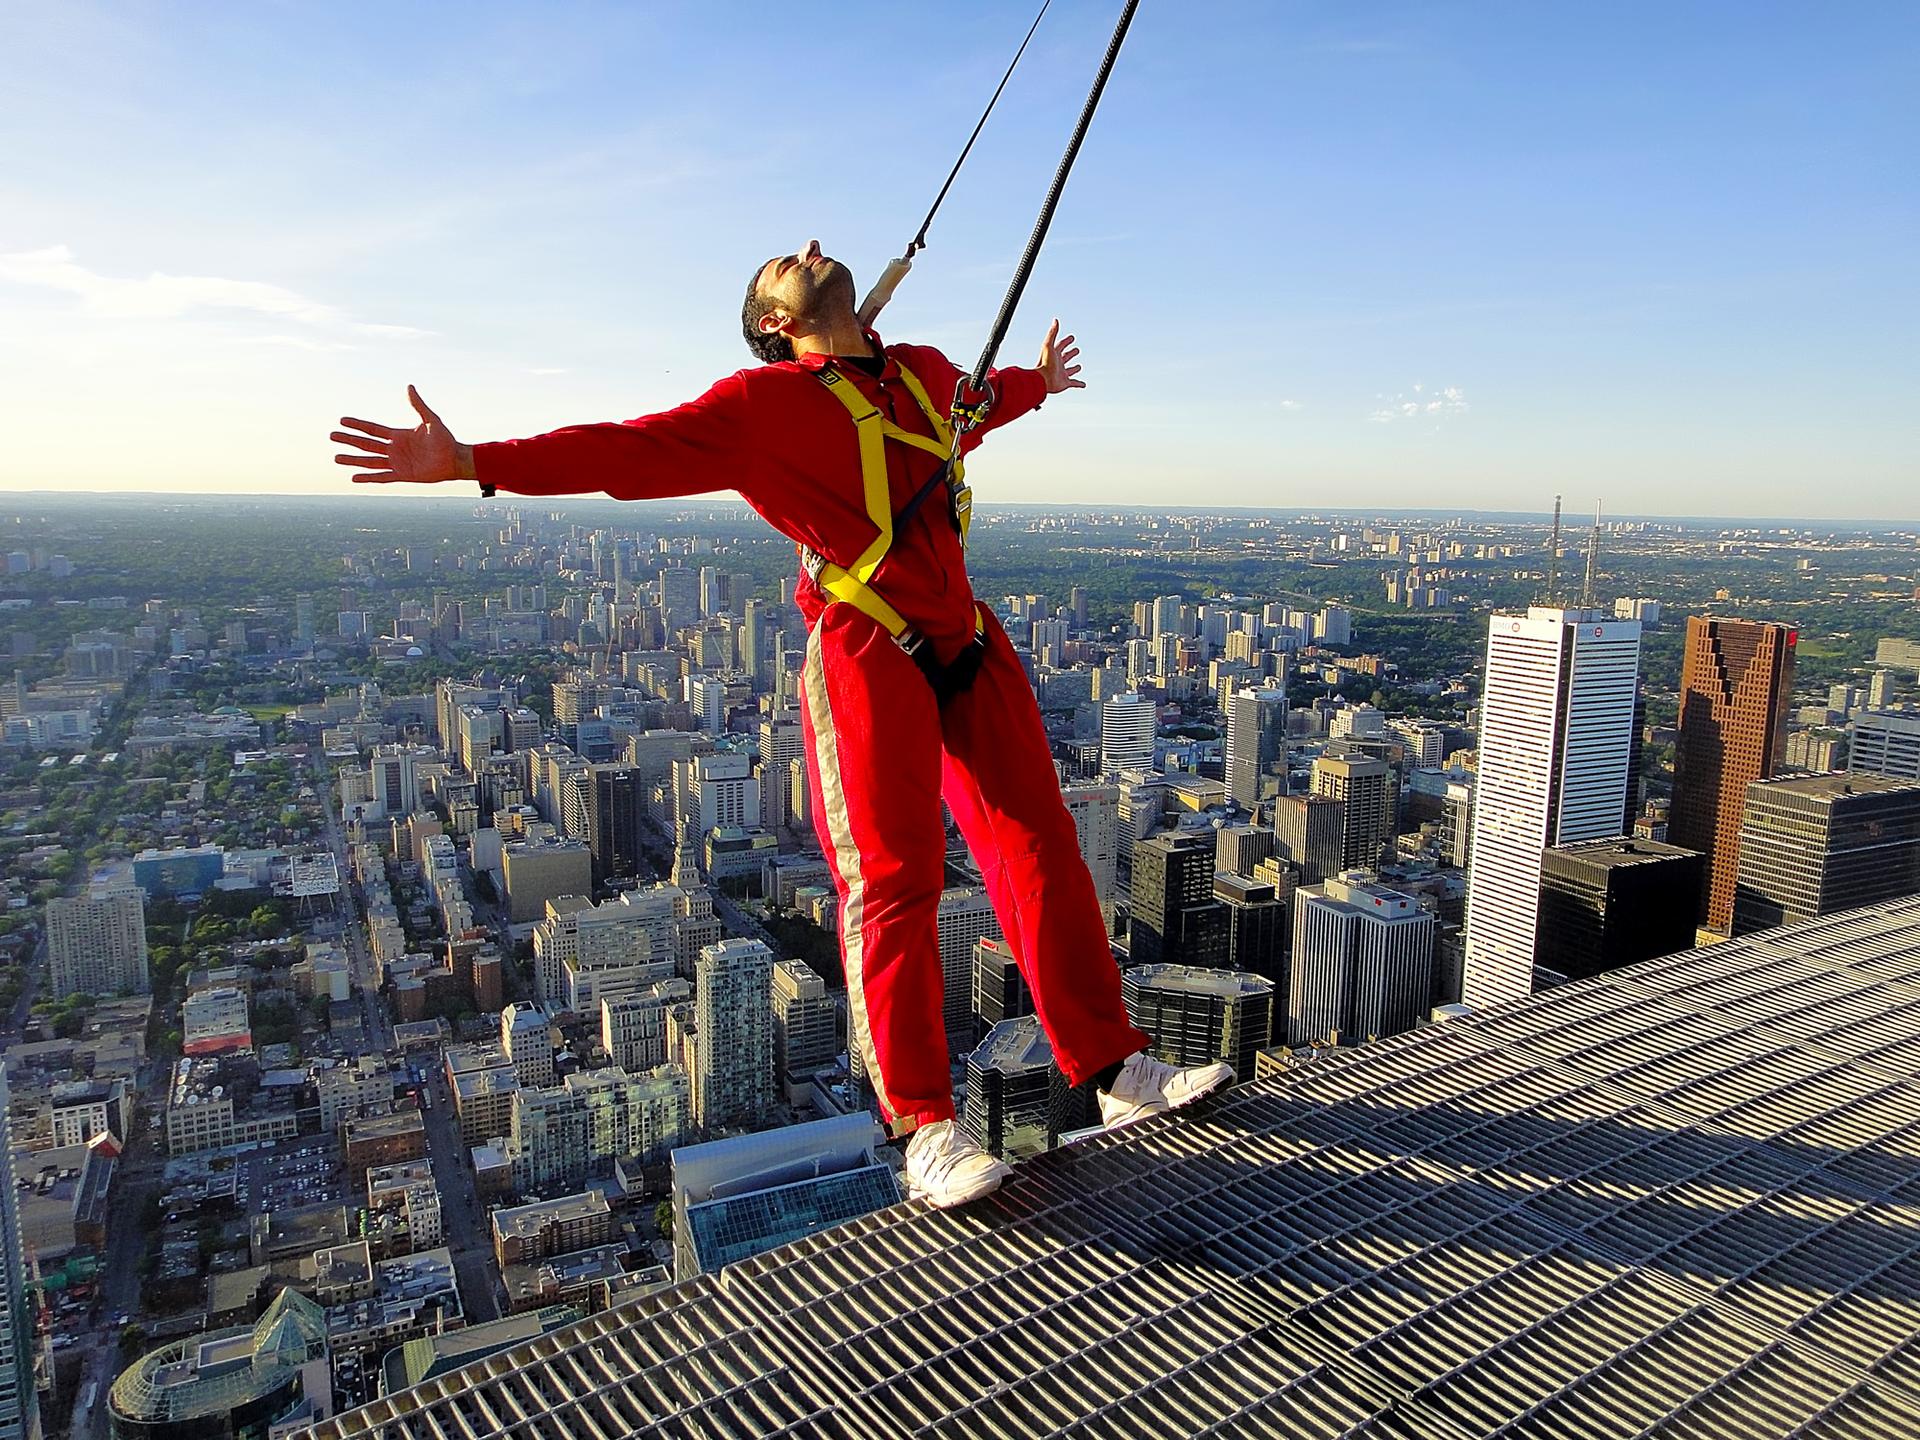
[[852, 584]]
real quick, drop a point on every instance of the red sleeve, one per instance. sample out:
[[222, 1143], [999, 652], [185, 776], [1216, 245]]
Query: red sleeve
[[705, 444]]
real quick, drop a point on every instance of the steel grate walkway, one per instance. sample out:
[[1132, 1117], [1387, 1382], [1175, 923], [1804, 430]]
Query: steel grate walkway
[[1682, 1199]]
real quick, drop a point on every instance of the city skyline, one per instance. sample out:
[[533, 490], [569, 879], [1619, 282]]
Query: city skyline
[[1428, 251]]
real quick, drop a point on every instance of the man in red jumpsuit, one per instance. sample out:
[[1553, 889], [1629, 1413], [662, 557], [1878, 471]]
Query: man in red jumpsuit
[[884, 747]]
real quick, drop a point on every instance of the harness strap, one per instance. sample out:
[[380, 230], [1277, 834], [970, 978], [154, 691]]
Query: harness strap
[[851, 584]]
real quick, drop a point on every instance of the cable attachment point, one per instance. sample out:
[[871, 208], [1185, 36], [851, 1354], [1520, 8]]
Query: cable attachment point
[[970, 406]]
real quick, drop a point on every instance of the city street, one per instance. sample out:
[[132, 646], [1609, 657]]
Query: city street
[[461, 1215]]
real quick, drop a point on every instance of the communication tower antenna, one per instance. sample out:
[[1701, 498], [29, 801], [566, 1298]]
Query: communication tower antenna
[[1553, 554], [1593, 554]]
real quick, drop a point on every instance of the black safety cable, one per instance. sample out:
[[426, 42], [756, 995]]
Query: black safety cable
[[919, 241], [976, 382], [971, 397]]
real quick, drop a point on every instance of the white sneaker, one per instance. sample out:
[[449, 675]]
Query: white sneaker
[[945, 1167], [1146, 1086]]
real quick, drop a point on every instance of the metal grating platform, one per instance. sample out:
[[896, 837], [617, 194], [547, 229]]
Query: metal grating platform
[[1683, 1199]]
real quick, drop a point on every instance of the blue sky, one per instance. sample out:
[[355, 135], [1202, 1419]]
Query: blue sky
[[1322, 254]]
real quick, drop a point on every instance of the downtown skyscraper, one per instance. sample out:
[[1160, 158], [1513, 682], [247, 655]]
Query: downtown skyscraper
[[1256, 759], [1556, 741], [1735, 686]]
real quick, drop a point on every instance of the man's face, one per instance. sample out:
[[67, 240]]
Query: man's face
[[806, 284]]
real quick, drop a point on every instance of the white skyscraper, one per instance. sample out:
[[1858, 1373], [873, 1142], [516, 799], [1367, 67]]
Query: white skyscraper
[[1127, 724], [19, 1405], [1362, 961], [1556, 739], [1096, 822], [964, 917], [733, 1007]]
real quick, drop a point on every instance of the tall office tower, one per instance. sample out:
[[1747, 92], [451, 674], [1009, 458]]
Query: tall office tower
[[999, 989], [806, 1030], [1198, 1016], [1556, 731], [1096, 822], [1164, 618], [712, 601], [97, 942], [1608, 903], [1077, 606], [303, 619], [1362, 962], [679, 597], [733, 1008], [1309, 831], [1813, 844], [1886, 743], [1256, 919], [1880, 690], [1256, 746], [1239, 848], [965, 917], [1018, 1102], [450, 698], [1364, 786], [1175, 919], [707, 698], [19, 1401], [1127, 725], [1735, 686], [619, 813], [779, 747]]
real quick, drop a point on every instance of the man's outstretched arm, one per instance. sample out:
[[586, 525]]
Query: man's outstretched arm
[[703, 445]]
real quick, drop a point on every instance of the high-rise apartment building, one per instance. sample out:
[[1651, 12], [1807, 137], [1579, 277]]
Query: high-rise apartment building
[[1886, 742], [1256, 760], [19, 1401], [1175, 919], [1364, 786], [563, 1134], [1735, 687], [1127, 726], [806, 1029], [1362, 961], [1555, 748], [733, 1008], [543, 870], [97, 942], [1813, 844], [633, 1026], [1198, 1016], [1608, 903], [526, 1039]]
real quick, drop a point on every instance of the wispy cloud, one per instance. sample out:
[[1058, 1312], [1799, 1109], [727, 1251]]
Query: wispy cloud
[[1420, 404], [169, 297]]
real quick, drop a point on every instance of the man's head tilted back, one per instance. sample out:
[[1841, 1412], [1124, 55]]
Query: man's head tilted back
[[797, 291]]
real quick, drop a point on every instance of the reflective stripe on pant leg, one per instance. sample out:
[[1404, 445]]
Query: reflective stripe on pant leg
[[846, 862]]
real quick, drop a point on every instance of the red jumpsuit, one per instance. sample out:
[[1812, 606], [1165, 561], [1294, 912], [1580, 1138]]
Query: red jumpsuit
[[882, 752]]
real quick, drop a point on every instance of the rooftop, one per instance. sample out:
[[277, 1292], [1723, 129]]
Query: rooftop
[[1680, 1197], [1617, 853]]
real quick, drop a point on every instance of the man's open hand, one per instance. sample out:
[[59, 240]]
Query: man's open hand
[[1057, 358], [425, 455]]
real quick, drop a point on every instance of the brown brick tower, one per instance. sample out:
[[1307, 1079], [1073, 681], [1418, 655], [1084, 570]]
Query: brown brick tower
[[1734, 690]]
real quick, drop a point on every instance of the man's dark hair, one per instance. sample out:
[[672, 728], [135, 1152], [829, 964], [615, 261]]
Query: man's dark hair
[[770, 349]]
